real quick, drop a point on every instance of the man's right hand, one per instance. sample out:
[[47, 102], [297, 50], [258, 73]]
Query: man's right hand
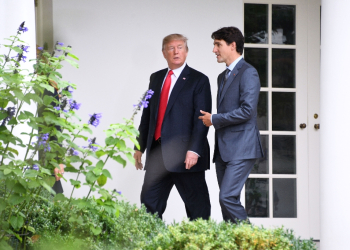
[[137, 157]]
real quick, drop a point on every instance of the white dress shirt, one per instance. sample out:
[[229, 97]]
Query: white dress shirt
[[176, 73]]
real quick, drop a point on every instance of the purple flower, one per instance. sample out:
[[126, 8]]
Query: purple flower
[[22, 28], [73, 104], [95, 119], [61, 44], [48, 148], [119, 192], [69, 89], [40, 48], [35, 167], [20, 57], [10, 113], [25, 48], [143, 102], [72, 152], [57, 108], [43, 141], [91, 146]]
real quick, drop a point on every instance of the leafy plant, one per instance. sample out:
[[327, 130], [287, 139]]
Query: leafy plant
[[56, 126]]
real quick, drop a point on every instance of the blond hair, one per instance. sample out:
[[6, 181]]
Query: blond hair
[[174, 37]]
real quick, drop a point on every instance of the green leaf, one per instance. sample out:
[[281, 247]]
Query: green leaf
[[95, 230], [100, 164], [12, 150], [13, 121], [18, 188], [111, 140], [71, 169], [75, 159], [16, 222], [30, 229], [5, 246], [74, 64], [119, 159], [22, 116], [49, 99], [31, 173], [3, 115], [73, 56], [121, 145], [91, 177], [48, 87], [50, 180], [17, 49], [18, 93], [75, 183], [34, 97], [47, 187], [2, 204], [100, 153], [106, 173], [16, 199], [130, 158], [7, 171], [97, 171], [59, 197], [33, 183], [80, 203], [102, 180]]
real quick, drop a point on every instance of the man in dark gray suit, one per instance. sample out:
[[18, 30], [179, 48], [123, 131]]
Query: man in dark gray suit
[[237, 138], [175, 140]]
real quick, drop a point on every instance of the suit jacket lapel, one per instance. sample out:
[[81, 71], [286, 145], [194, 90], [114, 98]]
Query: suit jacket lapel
[[180, 83], [232, 77]]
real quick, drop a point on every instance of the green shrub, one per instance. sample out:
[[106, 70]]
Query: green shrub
[[207, 235], [134, 228], [117, 232]]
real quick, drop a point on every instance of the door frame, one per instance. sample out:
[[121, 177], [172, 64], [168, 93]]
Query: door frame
[[307, 104]]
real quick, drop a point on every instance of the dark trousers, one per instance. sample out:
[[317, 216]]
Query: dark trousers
[[232, 176], [158, 183]]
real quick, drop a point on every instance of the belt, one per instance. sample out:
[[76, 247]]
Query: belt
[[159, 140]]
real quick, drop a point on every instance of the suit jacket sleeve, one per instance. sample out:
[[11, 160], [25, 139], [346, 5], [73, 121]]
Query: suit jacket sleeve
[[144, 124], [249, 97], [202, 101]]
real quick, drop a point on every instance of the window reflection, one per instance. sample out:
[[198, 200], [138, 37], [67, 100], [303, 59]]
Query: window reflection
[[283, 24], [257, 197], [255, 23]]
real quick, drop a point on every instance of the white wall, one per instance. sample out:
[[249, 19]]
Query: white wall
[[335, 137], [119, 46]]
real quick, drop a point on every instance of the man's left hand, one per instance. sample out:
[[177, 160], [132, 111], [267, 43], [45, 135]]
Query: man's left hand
[[191, 159], [206, 118], [59, 171]]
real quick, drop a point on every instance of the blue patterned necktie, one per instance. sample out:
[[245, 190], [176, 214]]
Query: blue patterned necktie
[[227, 74]]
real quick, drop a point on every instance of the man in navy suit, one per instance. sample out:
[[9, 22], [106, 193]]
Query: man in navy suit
[[176, 141], [237, 138]]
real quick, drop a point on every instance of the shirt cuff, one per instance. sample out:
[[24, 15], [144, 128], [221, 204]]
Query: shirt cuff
[[194, 153]]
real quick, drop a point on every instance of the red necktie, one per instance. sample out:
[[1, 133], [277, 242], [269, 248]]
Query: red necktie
[[162, 104]]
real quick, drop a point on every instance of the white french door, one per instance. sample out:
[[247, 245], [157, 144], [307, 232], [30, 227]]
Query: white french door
[[277, 43]]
